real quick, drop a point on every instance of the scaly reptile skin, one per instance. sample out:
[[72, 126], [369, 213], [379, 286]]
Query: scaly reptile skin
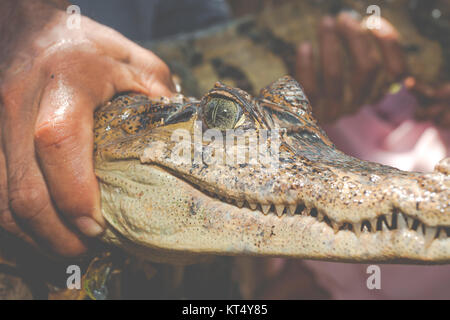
[[319, 202]]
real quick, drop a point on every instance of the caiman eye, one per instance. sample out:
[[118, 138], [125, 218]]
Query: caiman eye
[[222, 114]]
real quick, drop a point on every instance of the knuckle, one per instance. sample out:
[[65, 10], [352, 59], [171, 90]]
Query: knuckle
[[52, 133], [28, 201], [160, 69]]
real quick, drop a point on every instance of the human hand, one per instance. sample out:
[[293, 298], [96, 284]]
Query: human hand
[[434, 101], [333, 91], [51, 80], [276, 278]]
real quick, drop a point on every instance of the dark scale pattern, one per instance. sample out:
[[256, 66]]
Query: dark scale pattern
[[133, 114]]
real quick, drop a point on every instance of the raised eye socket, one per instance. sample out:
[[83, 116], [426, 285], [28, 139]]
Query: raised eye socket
[[222, 114]]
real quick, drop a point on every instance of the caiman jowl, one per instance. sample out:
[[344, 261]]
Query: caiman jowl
[[318, 204]]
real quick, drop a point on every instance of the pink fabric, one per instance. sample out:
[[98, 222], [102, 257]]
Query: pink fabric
[[388, 134]]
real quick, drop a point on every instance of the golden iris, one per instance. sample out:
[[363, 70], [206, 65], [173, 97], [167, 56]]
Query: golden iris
[[222, 113]]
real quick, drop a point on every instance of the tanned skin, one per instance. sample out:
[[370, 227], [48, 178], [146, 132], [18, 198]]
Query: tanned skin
[[51, 80]]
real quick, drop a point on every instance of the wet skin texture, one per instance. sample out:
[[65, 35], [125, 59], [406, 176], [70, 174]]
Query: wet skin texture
[[318, 203]]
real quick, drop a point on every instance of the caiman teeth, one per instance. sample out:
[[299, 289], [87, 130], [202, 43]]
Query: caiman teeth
[[441, 234], [291, 209], [402, 221], [279, 208], [265, 208], [357, 228], [430, 234], [392, 221], [320, 216], [373, 224]]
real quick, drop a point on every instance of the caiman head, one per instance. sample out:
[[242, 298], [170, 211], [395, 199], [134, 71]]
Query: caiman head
[[233, 174]]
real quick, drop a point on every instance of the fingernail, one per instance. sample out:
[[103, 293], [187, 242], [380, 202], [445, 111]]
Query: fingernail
[[88, 226]]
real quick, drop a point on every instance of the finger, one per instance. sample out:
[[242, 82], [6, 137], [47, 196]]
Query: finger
[[419, 88], [305, 72], [427, 93], [64, 143], [28, 196], [443, 93], [438, 113], [7, 221], [151, 71], [64, 139], [154, 73], [331, 62], [444, 120], [364, 56], [394, 59], [431, 112], [271, 267], [295, 281], [435, 103]]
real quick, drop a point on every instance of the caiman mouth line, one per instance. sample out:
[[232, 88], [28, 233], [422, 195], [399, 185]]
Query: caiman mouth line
[[395, 220]]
